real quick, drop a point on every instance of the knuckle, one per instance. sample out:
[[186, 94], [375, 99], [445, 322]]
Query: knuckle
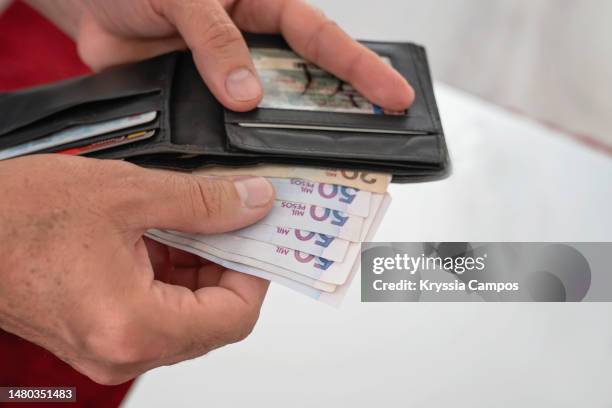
[[313, 43], [221, 34], [356, 64], [210, 198], [116, 341]]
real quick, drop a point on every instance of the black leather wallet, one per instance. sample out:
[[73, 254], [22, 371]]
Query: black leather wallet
[[194, 130]]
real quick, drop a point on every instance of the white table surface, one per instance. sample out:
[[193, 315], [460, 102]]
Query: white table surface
[[513, 180]]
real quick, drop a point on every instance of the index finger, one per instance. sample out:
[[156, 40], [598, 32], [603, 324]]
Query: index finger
[[316, 38], [191, 323]]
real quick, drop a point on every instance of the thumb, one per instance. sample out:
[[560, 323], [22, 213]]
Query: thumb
[[219, 51], [205, 205]]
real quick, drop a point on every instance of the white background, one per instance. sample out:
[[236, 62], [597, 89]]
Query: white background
[[512, 180], [551, 59]]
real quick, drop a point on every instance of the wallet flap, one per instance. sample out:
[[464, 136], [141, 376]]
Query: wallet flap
[[419, 119], [415, 137]]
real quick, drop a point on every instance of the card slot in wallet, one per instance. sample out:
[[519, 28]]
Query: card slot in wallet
[[86, 114], [419, 148], [195, 119], [331, 133], [418, 119], [95, 139], [122, 91]]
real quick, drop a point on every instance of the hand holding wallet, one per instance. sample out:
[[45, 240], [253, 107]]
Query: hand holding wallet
[[192, 130]]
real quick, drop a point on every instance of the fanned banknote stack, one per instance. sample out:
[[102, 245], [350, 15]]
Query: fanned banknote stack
[[311, 239]]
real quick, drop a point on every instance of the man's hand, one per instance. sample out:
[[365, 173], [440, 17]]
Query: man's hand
[[110, 32], [78, 279]]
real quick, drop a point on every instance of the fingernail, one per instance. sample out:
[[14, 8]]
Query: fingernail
[[254, 192], [242, 85]]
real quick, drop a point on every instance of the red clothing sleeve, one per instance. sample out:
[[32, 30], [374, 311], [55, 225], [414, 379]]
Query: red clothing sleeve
[[32, 52]]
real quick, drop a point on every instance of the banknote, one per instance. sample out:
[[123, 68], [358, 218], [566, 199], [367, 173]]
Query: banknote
[[326, 293], [290, 82], [77, 133], [324, 246], [361, 180], [314, 219], [300, 285], [335, 298], [308, 265], [306, 241], [187, 244], [262, 255], [346, 199]]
